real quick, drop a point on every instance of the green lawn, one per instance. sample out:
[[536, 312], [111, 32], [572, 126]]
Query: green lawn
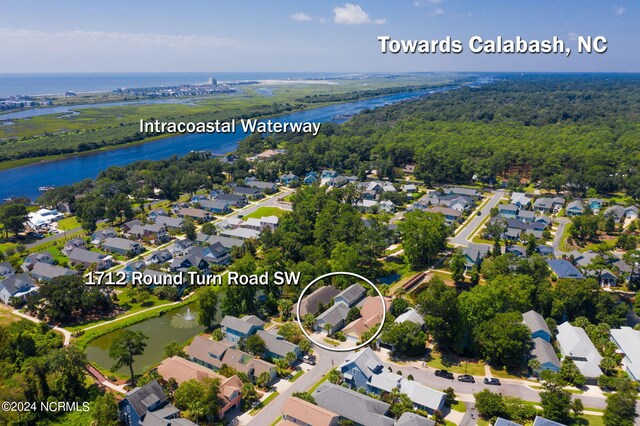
[[266, 211], [455, 364], [459, 406], [6, 317], [289, 198], [68, 223], [262, 404], [296, 376]]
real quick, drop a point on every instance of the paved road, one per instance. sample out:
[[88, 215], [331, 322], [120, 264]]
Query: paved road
[[557, 239], [273, 410], [54, 237], [462, 239]]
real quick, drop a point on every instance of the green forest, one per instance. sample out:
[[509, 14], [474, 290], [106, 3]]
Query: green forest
[[562, 131]]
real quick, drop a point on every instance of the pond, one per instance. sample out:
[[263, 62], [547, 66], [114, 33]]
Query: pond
[[390, 279], [178, 325]]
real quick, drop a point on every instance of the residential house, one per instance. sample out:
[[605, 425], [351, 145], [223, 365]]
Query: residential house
[[126, 227], [182, 370], [6, 270], [45, 272], [88, 258], [351, 295], [252, 223], [469, 192], [357, 407], [226, 242], [410, 315], [473, 255], [18, 286], [320, 298], [241, 233], [328, 174], [576, 345], [538, 326], [175, 208], [387, 206], [216, 206], [234, 200], [277, 347], [451, 216], [412, 419], [296, 411], [526, 216], [410, 188], [628, 341], [156, 213], [264, 187], [143, 400], [335, 316], [409, 169], [180, 247], [198, 198], [199, 215], [575, 208], [122, 246], [508, 211], [543, 204], [541, 421], [235, 329], [288, 179], [159, 257], [546, 356], [422, 397], [371, 315], [367, 205], [170, 222], [101, 235], [617, 212], [73, 244], [520, 200], [310, 178], [595, 204], [563, 269], [248, 193], [502, 422], [131, 267], [545, 250], [270, 222], [155, 232], [194, 259], [214, 354], [359, 367], [33, 258]]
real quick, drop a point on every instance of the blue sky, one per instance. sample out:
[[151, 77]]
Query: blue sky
[[302, 35]]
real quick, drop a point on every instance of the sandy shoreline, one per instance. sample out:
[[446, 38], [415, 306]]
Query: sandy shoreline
[[278, 82]]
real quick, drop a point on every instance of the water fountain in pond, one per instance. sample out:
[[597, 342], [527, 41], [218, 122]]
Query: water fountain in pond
[[185, 320]]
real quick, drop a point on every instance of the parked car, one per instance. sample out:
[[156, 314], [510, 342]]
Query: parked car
[[466, 378], [444, 374], [492, 381], [309, 359]]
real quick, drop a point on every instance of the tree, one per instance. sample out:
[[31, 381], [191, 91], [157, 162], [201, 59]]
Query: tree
[[190, 230], [400, 403], [305, 396], [353, 314], [172, 349], [199, 399], [328, 327], [577, 407], [125, 347], [284, 308], [608, 365], [263, 379], [457, 265], [249, 394], [450, 397], [424, 236], [13, 216], [334, 377], [621, 408], [504, 340], [305, 345], [406, 338], [104, 410], [255, 345], [532, 245], [489, 404], [555, 401], [570, 373], [309, 320], [207, 308], [291, 357]]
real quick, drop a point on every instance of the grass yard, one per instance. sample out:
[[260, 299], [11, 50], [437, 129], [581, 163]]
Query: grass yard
[[266, 211], [455, 364], [296, 376], [459, 407], [6, 317], [289, 198], [262, 404], [68, 223]]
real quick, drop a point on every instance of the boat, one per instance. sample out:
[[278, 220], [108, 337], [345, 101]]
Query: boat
[[45, 188]]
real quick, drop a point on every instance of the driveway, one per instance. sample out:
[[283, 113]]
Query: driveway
[[462, 239], [326, 361], [557, 239]]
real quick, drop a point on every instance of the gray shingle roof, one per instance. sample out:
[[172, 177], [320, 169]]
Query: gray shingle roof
[[323, 295], [535, 322], [544, 353], [335, 314], [143, 397], [82, 255], [413, 419], [47, 271], [238, 324], [351, 294], [276, 344], [352, 405], [564, 269]]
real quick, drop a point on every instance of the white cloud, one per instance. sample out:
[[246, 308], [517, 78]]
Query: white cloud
[[618, 10], [300, 17], [437, 12], [352, 14]]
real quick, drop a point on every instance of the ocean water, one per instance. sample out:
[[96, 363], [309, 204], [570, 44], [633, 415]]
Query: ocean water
[[45, 84]]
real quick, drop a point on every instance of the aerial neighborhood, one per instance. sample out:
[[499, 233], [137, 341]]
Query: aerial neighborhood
[[498, 290]]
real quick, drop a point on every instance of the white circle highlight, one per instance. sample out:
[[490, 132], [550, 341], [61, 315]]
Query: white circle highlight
[[331, 348]]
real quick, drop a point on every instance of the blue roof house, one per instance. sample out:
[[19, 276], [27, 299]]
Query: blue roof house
[[235, 329], [564, 269], [358, 368], [310, 178]]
